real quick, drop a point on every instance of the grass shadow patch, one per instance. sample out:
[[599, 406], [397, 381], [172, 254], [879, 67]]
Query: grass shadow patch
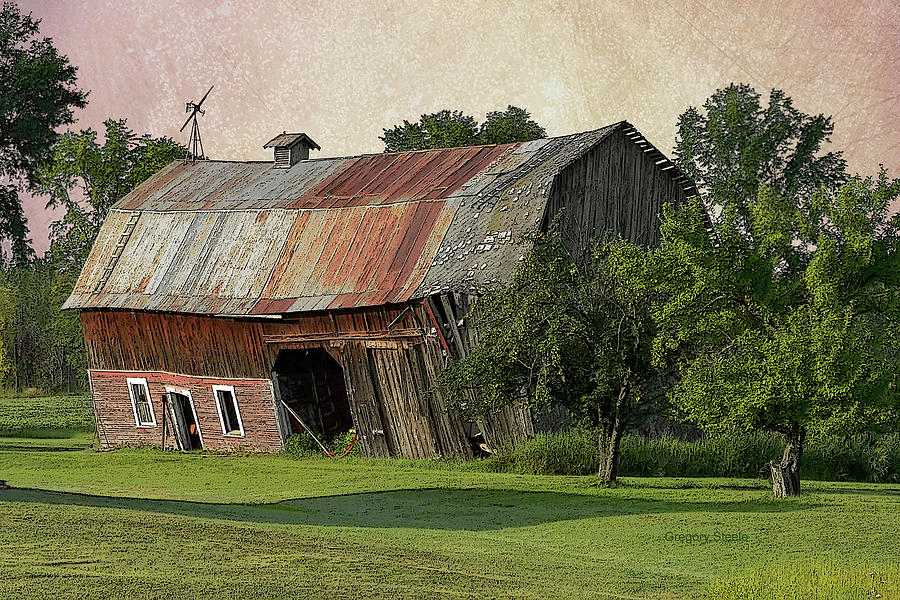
[[430, 508]]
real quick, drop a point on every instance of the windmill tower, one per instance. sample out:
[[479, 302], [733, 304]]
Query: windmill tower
[[195, 145]]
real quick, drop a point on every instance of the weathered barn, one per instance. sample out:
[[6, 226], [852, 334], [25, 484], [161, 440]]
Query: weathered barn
[[219, 293]]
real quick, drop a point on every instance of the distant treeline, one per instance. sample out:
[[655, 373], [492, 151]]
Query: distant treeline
[[40, 345]]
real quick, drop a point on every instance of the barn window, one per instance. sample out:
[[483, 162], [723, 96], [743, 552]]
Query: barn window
[[229, 415], [140, 403]]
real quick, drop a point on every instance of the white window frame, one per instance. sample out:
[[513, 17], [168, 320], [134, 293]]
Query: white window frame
[[143, 382], [190, 397], [237, 409]]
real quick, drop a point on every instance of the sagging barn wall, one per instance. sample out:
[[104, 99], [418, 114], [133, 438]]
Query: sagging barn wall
[[116, 422], [389, 357]]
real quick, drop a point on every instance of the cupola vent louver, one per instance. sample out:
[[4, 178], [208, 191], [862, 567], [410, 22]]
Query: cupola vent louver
[[291, 148]]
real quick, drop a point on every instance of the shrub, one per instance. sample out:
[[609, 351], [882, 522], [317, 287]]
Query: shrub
[[570, 453], [341, 442], [302, 445]]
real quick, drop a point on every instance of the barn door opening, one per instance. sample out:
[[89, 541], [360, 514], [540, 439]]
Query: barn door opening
[[311, 382], [184, 416]]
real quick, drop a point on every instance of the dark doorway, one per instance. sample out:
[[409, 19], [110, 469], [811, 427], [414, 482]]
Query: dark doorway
[[311, 382], [187, 431]]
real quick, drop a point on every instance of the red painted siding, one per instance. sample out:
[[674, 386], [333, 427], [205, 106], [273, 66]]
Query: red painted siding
[[115, 419]]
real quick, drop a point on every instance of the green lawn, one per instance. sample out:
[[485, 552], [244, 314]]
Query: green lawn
[[47, 417], [145, 524]]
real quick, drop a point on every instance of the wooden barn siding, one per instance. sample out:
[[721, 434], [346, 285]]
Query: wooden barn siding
[[389, 365], [220, 346], [115, 417], [389, 390], [614, 187]]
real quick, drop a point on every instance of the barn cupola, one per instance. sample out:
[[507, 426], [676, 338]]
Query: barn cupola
[[291, 148]]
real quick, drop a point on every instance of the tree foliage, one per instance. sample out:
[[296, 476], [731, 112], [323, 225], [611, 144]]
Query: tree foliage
[[511, 125], [574, 332], [86, 177], [782, 318], [40, 345], [37, 95], [449, 129], [734, 146]]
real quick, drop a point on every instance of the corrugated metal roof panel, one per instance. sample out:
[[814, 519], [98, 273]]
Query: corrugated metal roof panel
[[264, 262], [362, 249]]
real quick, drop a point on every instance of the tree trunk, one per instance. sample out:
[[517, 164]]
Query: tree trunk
[[609, 438], [785, 475]]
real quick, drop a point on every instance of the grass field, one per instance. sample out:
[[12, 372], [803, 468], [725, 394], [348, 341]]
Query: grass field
[[46, 417], [147, 524]]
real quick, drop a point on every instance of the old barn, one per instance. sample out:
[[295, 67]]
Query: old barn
[[235, 299]]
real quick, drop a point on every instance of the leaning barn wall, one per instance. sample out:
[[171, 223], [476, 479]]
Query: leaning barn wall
[[115, 419], [390, 356]]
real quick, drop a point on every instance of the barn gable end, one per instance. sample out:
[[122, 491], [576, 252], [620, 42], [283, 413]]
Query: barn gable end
[[620, 186]]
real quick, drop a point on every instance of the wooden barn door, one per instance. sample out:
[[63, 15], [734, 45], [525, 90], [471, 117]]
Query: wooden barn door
[[364, 405], [389, 383], [401, 392]]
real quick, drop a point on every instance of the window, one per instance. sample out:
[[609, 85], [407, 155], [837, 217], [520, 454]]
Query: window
[[229, 415], [140, 403]]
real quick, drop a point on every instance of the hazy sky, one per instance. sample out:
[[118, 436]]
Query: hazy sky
[[342, 71]]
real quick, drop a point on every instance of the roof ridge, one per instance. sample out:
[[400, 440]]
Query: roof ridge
[[422, 150]]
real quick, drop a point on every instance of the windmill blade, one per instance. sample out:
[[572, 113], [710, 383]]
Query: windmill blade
[[188, 119], [204, 97]]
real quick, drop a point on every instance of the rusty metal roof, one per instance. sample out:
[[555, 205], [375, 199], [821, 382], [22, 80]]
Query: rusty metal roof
[[243, 238]]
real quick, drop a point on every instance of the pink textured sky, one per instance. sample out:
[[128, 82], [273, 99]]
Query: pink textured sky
[[341, 71]]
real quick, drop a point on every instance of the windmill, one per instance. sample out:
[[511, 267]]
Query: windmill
[[196, 143]]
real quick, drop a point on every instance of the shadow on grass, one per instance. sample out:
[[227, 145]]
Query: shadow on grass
[[7, 447], [441, 509], [884, 490]]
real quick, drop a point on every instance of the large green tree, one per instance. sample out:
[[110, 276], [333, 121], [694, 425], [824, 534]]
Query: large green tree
[[575, 332], [37, 95], [734, 145], [449, 129], [781, 280], [86, 177]]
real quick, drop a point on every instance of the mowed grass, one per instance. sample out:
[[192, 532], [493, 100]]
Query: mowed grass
[[147, 524], [45, 417]]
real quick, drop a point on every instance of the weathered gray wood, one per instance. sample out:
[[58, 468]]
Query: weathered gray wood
[[451, 435], [452, 321], [363, 402], [281, 417], [395, 430]]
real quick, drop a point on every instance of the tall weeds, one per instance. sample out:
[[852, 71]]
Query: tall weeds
[[826, 458]]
